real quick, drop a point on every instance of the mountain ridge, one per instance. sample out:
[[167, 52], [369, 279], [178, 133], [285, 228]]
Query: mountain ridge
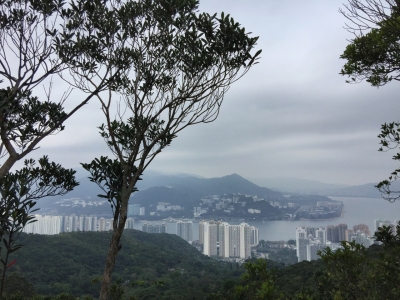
[[192, 186]]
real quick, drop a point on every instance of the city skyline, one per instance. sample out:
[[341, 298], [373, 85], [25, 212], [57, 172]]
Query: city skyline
[[310, 240]]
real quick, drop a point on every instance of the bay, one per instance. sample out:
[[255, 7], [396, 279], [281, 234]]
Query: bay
[[357, 210]]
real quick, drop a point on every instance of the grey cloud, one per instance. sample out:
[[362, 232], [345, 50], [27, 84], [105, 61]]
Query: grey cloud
[[292, 115]]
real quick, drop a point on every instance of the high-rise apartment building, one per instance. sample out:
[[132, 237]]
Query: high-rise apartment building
[[302, 249], [254, 239], [185, 230], [64, 223], [301, 233], [134, 210], [210, 238], [342, 231], [142, 211], [154, 228], [336, 234], [311, 231], [332, 234], [201, 232], [357, 230], [48, 225], [245, 240], [92, 223], [362, 228], [361, 238], [225, 240], [73, 223], [130, 223], [312, 250], [102, 224], [234, 240], [309, 241], [321, 235]]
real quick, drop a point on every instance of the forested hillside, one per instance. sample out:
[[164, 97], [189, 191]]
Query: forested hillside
[[70, 262], [163, 266]]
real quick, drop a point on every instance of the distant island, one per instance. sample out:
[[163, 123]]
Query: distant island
[[252, 207], [229, 197], [226, 206]]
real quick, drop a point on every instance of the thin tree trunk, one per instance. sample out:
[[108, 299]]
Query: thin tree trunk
[[110, 262], [3, 275], [8, 164], [118, 229]]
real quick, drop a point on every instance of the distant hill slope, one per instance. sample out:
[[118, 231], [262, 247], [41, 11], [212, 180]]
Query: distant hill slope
[[224, 185], [296, 185], [153, 195], [179, 187], [312, 187], [183, 189], [68, 262], [365, 190], [187, 191]]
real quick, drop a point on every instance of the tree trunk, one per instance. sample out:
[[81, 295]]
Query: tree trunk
[[8, 164], [110, 262], [3, 275], [118, 229]]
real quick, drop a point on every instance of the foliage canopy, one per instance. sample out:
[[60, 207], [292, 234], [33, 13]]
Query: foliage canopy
[[179, 65], [374, 55], [33, 39]]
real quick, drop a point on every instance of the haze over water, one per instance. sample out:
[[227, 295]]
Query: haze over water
[[357, 211]]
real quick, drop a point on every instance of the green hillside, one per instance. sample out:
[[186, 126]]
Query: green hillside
[[69, 263], [73, 262]]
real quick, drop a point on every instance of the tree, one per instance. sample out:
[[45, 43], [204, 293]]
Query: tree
[[374, 55], [39, 39], [27, 33], [19, 191], [33, 39], [353, 273], [259, 282], [347, 271], [181, 64], [18, 287]]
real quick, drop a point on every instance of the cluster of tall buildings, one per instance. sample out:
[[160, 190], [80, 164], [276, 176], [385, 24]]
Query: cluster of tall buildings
[[228, 241], [309, 239], [50, 225], [182, 228], [136, 210], [154, 228]]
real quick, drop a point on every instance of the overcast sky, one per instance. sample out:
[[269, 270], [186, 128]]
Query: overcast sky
[[292, 115]]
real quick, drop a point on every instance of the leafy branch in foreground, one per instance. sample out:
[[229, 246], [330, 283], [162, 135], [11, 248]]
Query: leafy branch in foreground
[[40, 39], [109, 176], [19, 190], [390, 139], [374, 55]]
